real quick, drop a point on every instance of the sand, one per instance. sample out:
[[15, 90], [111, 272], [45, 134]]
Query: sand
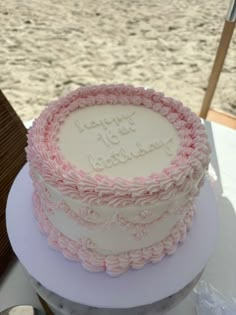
[[50, 47]]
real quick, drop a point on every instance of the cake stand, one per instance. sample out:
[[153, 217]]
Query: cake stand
[[69, 280], [62, 306]]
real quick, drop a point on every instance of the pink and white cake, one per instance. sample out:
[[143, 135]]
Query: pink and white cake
[[115, 171]]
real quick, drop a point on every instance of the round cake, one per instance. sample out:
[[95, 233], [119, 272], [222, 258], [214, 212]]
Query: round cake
[[115, 171]]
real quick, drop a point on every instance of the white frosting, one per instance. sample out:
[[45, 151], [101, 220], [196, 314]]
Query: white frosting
[[113, 238], [116, 239], [121, 140]]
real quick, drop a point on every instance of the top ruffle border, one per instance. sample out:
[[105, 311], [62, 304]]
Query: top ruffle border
[[190, 162]]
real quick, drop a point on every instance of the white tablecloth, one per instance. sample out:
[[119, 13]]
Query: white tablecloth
[[221, 269]]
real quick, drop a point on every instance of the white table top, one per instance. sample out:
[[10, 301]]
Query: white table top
[[220, 271]]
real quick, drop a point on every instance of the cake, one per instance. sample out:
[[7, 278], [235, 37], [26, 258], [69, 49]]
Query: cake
[[116, 170]]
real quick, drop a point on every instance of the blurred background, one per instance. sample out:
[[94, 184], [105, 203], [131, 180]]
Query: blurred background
[[49, 47]]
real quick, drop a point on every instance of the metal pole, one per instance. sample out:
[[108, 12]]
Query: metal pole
[[226, 36], [231, 15]]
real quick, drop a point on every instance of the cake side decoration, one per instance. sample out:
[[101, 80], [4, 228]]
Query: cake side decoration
[[83, 251]]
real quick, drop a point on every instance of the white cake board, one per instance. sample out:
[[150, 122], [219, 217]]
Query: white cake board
[[134, 288]]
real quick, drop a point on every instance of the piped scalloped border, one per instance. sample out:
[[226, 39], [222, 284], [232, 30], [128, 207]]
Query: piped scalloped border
[[189, 164], [114, 265]]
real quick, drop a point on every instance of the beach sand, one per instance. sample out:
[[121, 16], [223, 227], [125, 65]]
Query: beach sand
[[50, 47]]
